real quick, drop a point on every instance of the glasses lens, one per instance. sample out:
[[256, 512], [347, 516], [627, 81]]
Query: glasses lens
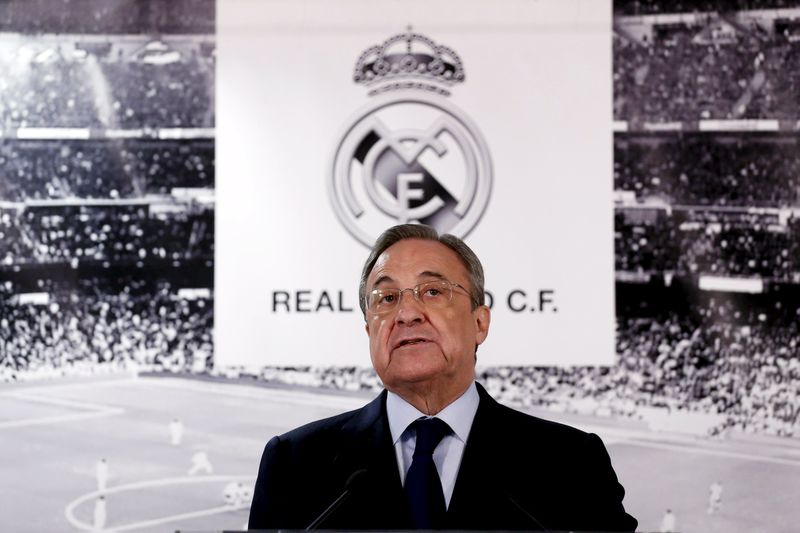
[[432, 294], [383, 300], [435, 293]]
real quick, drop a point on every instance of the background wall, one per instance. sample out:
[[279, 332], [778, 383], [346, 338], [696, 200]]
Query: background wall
[[537, 123], [108, 206]]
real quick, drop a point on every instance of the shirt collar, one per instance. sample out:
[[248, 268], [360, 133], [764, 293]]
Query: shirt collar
[[458, 415]]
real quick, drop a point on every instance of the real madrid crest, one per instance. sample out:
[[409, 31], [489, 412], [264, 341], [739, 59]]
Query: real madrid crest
[[410, 155]]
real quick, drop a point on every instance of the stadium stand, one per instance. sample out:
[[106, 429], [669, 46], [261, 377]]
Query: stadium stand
[[118, 233], [655, 7], [59, 169], [706, 66], [106, 186], [141, 82], [48, 91], [745, 170], [95, 325], [706, 186], [688, 243], [130, 168], [109, 16], [175, 94], [104, 265]]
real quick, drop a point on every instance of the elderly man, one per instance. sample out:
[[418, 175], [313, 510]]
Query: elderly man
[[434, 450]]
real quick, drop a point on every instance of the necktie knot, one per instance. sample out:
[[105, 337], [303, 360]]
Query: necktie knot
[[430, 432]]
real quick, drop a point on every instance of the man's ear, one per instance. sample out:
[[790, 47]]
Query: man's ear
[[483, 317]]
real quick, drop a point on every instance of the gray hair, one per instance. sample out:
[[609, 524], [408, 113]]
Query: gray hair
[[427, 233]]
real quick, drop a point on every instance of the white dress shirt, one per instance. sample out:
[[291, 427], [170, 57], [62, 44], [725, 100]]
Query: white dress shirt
[[447, 455]]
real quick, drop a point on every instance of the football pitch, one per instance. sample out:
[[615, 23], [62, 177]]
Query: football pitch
[[53, 434]]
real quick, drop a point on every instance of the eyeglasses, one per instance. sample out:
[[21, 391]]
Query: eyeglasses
[[433, 294]]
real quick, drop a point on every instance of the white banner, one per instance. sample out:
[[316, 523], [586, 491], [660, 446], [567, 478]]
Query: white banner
[[336, 120]]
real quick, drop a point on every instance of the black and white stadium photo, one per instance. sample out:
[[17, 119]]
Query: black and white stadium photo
[[377, 265]]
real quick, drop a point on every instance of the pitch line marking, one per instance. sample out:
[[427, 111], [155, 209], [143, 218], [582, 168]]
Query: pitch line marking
[[174, 518], [237, 390], [94, 410], [62, 402], [618, 435], [69, 510], [641, 438], [717, 453], [248, 391]]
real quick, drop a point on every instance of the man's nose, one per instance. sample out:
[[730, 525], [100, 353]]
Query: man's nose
[[409, 309]]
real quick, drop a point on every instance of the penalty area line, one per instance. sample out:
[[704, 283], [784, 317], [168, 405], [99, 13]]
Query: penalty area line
[[183, 516], [91, 410], [69, 511], [246, 391]]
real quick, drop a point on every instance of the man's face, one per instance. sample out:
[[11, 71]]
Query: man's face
[[416, 348]]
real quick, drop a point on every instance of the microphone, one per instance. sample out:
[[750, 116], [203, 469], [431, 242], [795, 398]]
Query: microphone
[[526, 513], [355, 480]]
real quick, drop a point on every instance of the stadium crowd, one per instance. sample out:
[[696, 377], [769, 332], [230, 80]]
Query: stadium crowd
[[162, 166], [112, 234], [99, 268], [162, 95], [61, 88], [655, 7], [734, 357], [41, 170], [687, 73], [60, 169], [108, 16], [55, 93], [731, 358], [715, 203], [689, 243], [96, 326], [701, 169]]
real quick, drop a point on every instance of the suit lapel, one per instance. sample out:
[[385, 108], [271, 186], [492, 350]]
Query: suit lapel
[[366, 444], [482, 497], [474, 483]]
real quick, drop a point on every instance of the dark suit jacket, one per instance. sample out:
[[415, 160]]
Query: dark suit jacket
[[517, 472]]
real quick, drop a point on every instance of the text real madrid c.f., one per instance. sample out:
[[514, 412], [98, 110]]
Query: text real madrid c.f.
[[302, 301]]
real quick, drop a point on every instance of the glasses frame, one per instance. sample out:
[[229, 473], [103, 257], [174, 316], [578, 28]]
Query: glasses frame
[[415, 291]]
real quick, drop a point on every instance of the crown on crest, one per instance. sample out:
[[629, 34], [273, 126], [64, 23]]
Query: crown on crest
[[409, 55]]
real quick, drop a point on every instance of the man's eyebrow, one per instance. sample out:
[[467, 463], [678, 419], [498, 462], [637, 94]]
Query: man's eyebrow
[[381, 279], [424, 274]]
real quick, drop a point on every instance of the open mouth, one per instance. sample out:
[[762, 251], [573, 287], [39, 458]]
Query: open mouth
[[410, 342]]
